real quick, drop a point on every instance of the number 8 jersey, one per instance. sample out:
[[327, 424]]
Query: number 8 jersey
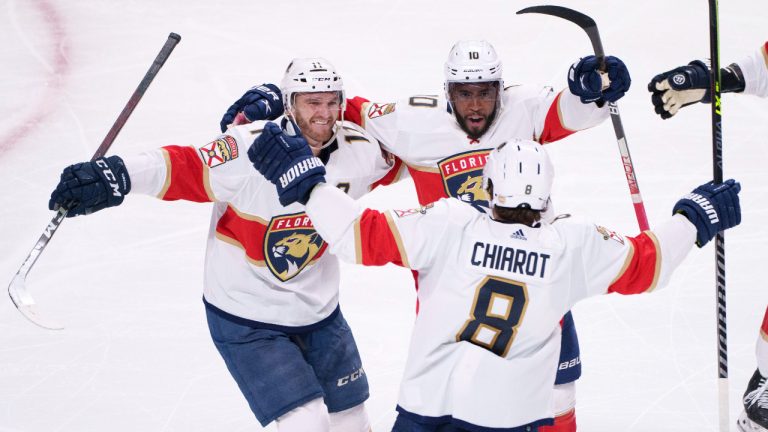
[[485, 344]]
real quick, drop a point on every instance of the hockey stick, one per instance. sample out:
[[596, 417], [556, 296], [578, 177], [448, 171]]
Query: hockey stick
[[590, 27], [17, 289], [717, 172]]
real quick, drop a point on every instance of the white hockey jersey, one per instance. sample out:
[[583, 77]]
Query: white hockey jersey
[[484, 348], [264, 262], [755, 70], [442, 160]]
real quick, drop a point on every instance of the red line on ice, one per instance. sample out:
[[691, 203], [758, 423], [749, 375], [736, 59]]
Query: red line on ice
[[54, 82]]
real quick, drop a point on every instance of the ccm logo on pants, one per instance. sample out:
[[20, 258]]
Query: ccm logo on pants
[[350, 378]]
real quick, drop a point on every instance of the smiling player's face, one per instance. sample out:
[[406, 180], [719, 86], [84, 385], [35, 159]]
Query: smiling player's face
[[316, 115]]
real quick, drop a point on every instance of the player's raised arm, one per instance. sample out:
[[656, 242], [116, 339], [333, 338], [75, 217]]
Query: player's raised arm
[[582, 104], [634, 265], [689, 84]]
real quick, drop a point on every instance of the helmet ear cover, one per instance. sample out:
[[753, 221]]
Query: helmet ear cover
[[521, 174]]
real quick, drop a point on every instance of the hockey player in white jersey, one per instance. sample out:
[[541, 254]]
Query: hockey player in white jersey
[[686, 85], [270, 288], [443, 141], [495, 285]]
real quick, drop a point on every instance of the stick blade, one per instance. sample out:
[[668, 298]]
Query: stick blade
[[24, 302], [571, 15]]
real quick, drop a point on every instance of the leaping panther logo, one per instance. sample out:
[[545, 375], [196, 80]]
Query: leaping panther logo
[[291, 243], [472, 190], [295, 249], [463, 176]]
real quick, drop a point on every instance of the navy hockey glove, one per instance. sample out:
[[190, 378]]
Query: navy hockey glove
[[88, 187], [618, 74], [586, 82], [679, 87], [264, 102], [711, 208], [288, 162]]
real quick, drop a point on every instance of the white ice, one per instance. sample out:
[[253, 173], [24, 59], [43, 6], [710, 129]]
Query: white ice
[[136, 355]]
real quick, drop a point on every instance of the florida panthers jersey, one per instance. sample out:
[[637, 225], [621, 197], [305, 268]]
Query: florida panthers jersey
[[442, 160], [264, 262], [485, 344], [755, 70]]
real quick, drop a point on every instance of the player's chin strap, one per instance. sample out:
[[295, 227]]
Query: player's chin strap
[[290, 127]]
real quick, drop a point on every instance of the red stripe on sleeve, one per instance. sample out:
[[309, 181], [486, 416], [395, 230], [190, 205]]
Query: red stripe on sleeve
[[354, 110], [392, 176], [553, 124], [245, 233], [187, 176], [764, 327], [377, 241], [641, 272]]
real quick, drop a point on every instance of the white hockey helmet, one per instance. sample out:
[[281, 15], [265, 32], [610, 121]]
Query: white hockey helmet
[[521, 174], [473, 61], [310, 75]]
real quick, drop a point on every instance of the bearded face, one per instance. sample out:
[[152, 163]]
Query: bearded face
[[316, 115], [474, 105]]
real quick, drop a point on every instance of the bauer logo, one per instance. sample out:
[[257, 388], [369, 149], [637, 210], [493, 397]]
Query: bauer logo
[[378, 110], [463, 176], [219, 152], [290, 244]]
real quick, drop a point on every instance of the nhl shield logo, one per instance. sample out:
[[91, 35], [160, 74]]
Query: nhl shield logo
[[463, 176], [290, 244]]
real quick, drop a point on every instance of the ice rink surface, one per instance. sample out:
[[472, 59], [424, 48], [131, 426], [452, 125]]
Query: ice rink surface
[[136, 355]]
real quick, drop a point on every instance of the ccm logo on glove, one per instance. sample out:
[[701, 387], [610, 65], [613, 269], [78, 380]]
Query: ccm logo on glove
[[111, 179]]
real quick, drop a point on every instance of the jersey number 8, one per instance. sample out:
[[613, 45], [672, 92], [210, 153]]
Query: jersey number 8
[[497, 311]]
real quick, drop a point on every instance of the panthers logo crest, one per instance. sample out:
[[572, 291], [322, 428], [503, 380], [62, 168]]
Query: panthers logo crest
[[290, 244], [463, 176]]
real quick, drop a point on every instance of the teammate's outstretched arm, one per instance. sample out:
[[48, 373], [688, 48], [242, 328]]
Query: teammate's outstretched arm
[[689, 84]]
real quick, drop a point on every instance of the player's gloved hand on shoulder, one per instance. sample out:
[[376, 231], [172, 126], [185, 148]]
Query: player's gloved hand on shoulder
[[264, 102], [586, 81], [711, 208], [679, 87], [88, 187], [288, 162]]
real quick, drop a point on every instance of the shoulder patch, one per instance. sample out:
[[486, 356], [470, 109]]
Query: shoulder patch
[[378, 110], [413, 211], [219, 152], [609, 234]]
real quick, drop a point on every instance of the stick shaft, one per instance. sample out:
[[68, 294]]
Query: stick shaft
[[717, 174], [17, 289]]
